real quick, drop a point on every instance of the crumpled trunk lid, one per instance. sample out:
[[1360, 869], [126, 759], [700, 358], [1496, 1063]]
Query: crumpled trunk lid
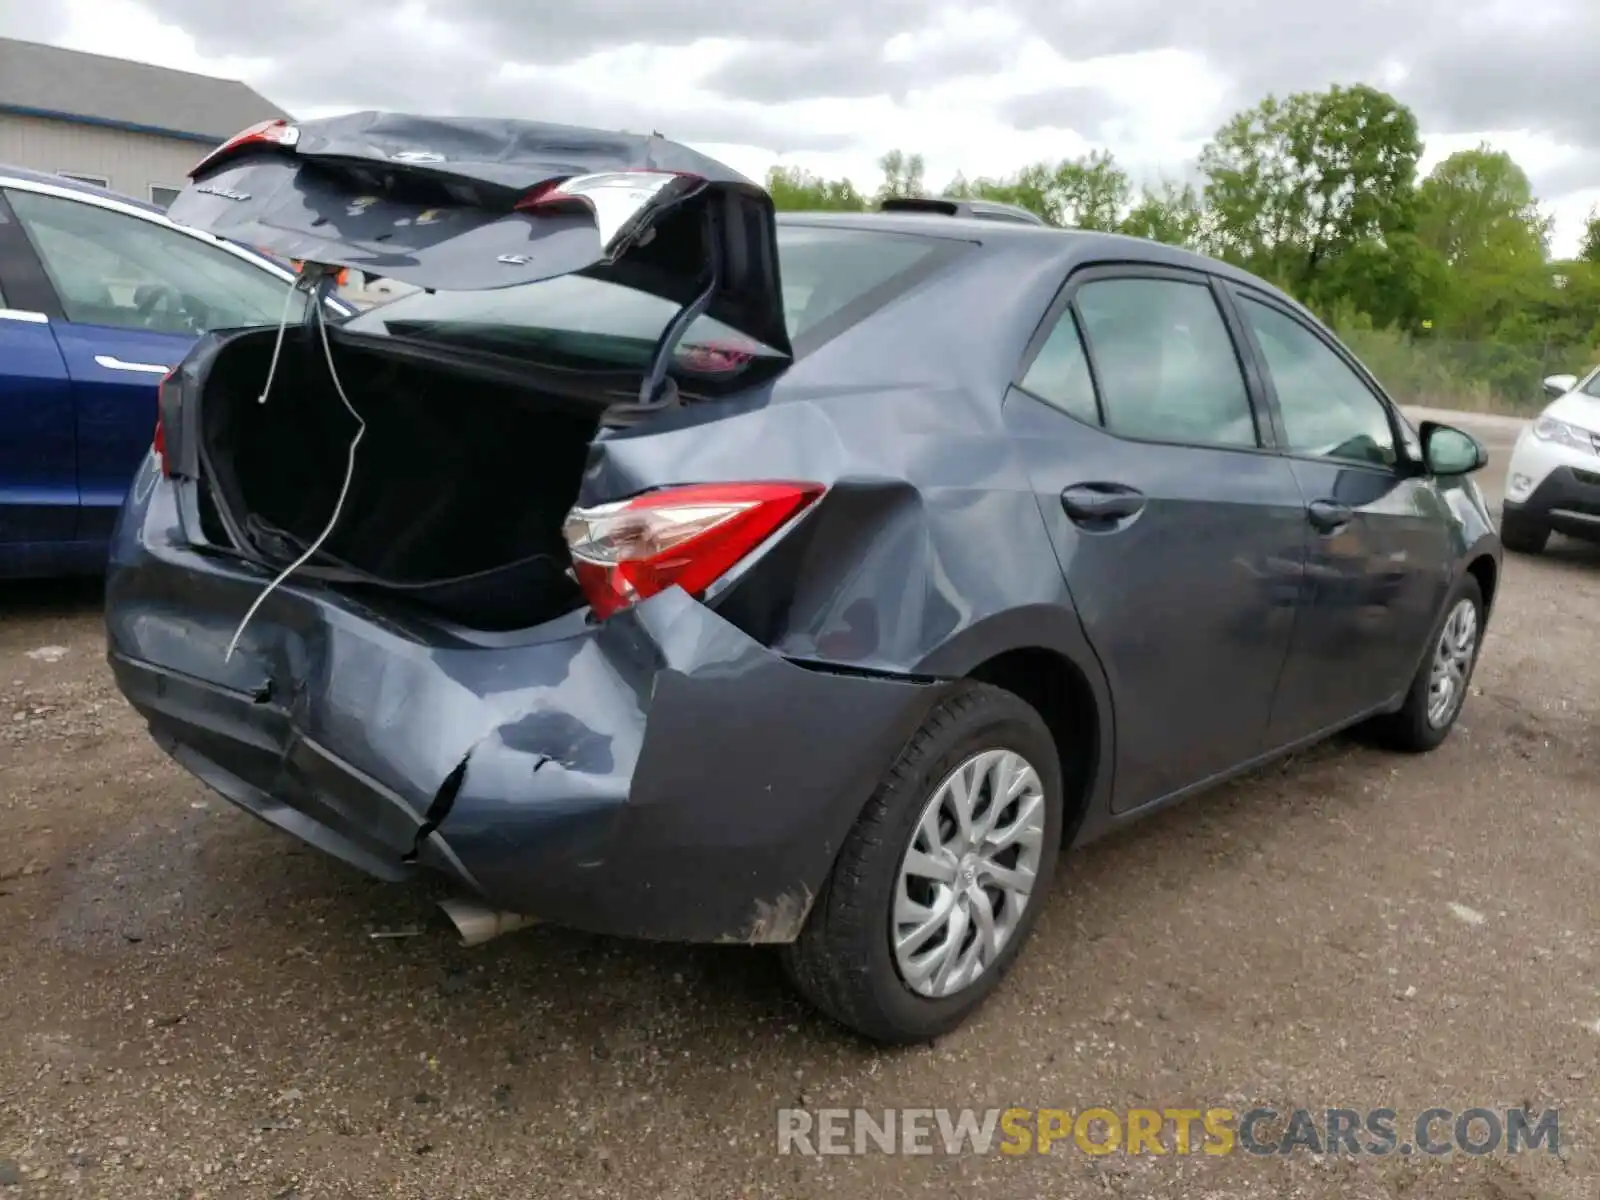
[[466, 204]]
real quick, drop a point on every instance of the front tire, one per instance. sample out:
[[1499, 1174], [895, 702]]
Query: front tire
[[1522, 533], [940, 881], [1440, 688]]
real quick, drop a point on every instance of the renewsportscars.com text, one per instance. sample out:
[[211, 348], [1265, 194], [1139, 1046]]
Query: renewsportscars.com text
[[1375, 1132]]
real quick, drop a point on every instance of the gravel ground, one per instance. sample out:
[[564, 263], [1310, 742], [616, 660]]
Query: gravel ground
[[192, 1006]]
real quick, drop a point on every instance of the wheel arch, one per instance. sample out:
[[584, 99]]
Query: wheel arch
[[1039, 653], [1486, 570]]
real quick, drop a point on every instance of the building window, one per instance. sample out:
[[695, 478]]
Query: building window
[[97, 180], [162, 196]]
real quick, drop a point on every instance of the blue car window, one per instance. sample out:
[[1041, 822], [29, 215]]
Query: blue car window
[[109, 268]]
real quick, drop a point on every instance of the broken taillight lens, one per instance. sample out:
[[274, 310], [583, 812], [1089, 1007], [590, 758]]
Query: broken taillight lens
[[619, 200], [712, 357], [687, 537], [637, 183], [267, 133]]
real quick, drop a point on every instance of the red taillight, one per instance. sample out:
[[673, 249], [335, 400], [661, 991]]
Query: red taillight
[[267, 133], [686, 537], [165, 398], [159, 445], [544, 194]]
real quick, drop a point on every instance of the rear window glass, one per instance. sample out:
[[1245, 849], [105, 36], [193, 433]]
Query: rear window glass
[[829, 276]]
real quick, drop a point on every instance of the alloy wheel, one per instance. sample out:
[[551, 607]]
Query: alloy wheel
[[1452, 664]]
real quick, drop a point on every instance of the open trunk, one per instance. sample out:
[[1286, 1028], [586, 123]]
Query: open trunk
[[459, 489], [463, 477]]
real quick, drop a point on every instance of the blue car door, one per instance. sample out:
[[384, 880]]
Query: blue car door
[[114, 374], [133, 292], [38, 451]]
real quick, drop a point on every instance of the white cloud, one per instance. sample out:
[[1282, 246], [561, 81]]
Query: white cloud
[[1154, 109], [126, 29]]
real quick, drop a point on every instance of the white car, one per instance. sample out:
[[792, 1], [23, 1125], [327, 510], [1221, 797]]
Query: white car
[[1553, 482]]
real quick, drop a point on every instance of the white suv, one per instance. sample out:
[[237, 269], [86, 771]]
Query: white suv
[[1553, 482]]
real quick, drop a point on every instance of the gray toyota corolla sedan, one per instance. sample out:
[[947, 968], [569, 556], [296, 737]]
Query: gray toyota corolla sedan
[[667, 568]]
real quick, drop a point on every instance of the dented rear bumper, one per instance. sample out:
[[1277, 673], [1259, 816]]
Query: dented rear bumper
[[660, 775]]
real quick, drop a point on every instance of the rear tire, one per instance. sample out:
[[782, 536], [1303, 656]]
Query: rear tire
[[846, 962], [1421, 725], [1522, 533]]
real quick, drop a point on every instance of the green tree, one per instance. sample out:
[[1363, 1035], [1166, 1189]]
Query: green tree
[[1476, 211], [902, 176], [1444, 285], [1394, 283], [1170, 214], [1077, 193], [796, 190], [1091, 192], [1589, 250], [1294, 186], [959, 188]]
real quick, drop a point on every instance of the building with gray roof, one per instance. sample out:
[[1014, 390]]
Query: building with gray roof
[[124, 125]]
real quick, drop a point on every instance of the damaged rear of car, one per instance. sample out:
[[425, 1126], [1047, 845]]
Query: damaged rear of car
[[498, 580]]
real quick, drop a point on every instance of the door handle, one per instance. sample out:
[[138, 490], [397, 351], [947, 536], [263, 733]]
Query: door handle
[[112, 363], [1328, 516], [1101, 502]]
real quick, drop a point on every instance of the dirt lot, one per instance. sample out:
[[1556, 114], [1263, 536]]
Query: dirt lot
[[191, 1006]]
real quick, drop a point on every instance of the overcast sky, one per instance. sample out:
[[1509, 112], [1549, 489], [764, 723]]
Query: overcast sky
[[831, 84]]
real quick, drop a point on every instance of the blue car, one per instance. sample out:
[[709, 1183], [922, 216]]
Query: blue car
[[100, 296]]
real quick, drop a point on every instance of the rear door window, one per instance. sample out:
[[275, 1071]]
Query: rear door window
[[832, 278], [1165, 362], [1060, 374]]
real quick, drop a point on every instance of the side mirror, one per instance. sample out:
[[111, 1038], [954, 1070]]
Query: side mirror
[[1559, 385], [1446, 450]]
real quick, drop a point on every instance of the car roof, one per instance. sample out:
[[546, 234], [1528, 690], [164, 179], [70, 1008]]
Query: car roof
[[1068, 247], [25, 175]]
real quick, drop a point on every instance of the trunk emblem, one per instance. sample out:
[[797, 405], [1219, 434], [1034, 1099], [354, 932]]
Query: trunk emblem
[[212, 189], [417, 156]]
